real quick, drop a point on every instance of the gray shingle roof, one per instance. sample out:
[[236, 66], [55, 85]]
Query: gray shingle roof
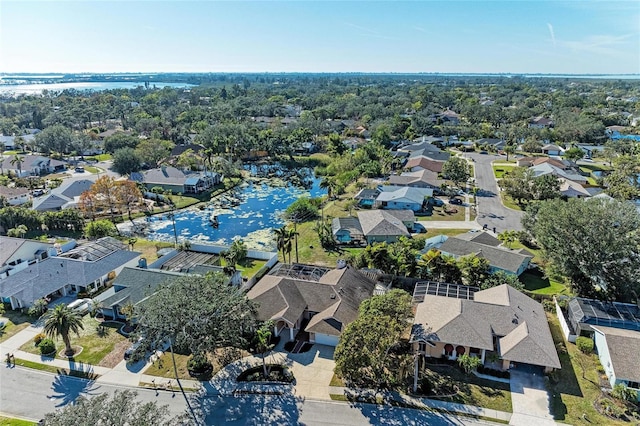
[[384, 223], [624, 347], [51, 274], [414, 195], [508, 260], [335, 297], [518, 320], [133, 285], [62, 195]]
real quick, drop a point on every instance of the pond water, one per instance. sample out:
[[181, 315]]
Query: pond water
[[258, 211]]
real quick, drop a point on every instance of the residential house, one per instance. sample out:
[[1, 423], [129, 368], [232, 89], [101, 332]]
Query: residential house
[[17, 253], [551, 149], [347, 230], [446, 117], [9, 142], [15, 196], [501, 326], [31, 165], [415, 164], [571, 189], [615, 329], [484, 245], [535, 161], [310, 299], [420, 179], [550, 169], [85, 268], [386, 225], [403, 198], [65, 196], [173, 179], [618, 351], [491, 143], [591, 150], [540, 123], [130, 287]]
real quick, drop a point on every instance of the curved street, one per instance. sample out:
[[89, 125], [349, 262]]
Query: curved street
[[491, 211]]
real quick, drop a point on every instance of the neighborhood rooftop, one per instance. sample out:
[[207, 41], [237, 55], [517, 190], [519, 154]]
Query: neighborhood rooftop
[[424, 288]]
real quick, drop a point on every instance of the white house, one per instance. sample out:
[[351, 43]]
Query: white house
[[15, 196]]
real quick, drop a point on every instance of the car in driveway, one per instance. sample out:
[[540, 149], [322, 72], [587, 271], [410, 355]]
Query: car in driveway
[[79, 169], [457, 201], [128, 354], [81, 306], [38, 192], [436, 202]]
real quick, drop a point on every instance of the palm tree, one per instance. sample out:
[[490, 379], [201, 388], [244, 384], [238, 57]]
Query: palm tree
[[509, 149], [292, 234], [61, 321], [17, 161], [281, 238]]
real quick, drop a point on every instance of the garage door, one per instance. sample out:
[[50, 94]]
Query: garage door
[[325, 339]]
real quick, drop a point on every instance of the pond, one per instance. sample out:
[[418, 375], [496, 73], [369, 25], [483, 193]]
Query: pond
[[249, 213]]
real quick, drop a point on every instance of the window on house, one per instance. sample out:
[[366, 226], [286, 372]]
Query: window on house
[[448, 349], [633, 385], [422, 347]]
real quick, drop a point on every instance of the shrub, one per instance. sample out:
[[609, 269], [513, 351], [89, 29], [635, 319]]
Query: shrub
[[549, 305], [47, 346], [622, 392], [38, 308], [611, 409], [199, 365], [585, 344], [39, 338]]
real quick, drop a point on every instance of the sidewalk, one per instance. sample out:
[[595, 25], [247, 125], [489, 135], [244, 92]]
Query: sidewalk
[[425, 403]]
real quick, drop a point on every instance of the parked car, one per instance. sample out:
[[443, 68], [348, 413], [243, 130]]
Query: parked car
[[79, 169], [129, 352], [483, 152], [436, 202], [81, 306], [38, 192], [457, 201]]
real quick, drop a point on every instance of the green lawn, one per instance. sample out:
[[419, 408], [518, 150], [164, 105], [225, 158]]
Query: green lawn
[[574, 388], [439, 214], [93, 170], [535, 282], [449, 232], [96, 341], [501, 170], [101, 157], [248, 267], [17, 322], [509, 202], [6, 421], [52, 369], [163, 367], [472, 390], [149, 248]]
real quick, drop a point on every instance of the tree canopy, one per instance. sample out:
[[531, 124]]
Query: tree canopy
[[456, 169], [594, 242], [365, 355], [118, 409]]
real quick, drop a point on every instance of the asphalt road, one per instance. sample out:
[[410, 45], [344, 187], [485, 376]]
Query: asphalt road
[[31, 394], [491, 211]]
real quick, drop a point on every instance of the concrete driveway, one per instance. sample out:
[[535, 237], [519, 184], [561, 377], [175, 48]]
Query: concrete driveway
[[530, 400], [491, 211], [312, 370]]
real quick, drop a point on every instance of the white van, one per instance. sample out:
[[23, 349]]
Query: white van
[[81, 306]]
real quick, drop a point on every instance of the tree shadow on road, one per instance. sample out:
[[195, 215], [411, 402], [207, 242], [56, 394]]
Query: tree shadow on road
[[252, 409], [67, 388]]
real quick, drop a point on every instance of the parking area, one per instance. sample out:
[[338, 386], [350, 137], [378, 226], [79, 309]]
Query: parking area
[[529, 398]]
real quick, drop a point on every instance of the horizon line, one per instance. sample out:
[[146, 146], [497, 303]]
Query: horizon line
[[3, 73]]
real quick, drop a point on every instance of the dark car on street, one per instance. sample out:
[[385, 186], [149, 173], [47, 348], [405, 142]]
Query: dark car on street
[[457, 201]]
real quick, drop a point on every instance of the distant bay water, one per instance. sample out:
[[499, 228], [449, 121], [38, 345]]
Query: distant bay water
[[38, 88]]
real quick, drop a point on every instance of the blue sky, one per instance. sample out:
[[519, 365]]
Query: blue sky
[[323, 36]]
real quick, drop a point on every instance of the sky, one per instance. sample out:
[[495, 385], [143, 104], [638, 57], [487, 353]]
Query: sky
[[542, 36]]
